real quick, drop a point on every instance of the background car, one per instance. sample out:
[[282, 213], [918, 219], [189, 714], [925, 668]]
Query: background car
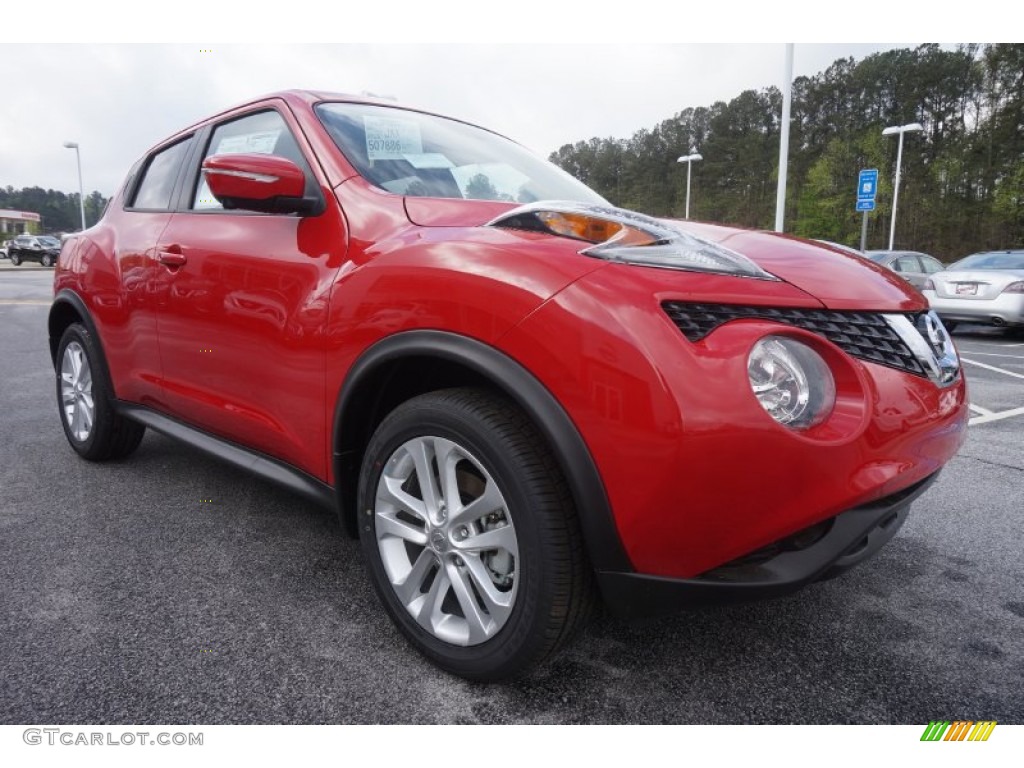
[[41, 248], [985, 288], [520, 398], [912, 266], [3, 248]]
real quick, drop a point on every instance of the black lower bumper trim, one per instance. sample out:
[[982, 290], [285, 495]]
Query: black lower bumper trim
[[852, 537]]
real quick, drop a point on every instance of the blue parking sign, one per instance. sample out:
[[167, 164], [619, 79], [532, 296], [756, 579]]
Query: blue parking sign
[[867, 184]]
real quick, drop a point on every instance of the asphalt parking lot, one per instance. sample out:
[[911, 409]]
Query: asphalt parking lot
[[169, 588]]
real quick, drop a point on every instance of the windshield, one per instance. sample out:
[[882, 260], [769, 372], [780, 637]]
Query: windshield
[[878, 256], [1013, 260], [410, 153], [50, 241]]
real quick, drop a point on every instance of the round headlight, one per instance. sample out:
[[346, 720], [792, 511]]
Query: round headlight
[[791, 381]]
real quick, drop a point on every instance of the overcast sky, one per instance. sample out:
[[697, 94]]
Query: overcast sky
[[117, 100]]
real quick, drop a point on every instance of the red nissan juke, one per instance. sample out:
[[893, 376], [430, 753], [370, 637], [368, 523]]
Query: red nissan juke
[[520, 398]]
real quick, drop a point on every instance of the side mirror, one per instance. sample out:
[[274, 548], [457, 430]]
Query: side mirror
[[262, 183]]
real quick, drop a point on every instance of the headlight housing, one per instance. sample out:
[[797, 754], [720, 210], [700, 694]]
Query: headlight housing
[[626, 236], [791, 381]]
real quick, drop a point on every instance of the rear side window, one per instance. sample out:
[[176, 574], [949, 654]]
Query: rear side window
[[157, 183], [931, 265], [906, 264]]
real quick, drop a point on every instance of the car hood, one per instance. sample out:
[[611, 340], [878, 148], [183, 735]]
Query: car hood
[[838, 280]]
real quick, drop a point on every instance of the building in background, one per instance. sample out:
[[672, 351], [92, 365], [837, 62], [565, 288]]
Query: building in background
[[19, 223]]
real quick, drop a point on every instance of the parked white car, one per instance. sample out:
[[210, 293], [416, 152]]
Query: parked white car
[[985, 288]]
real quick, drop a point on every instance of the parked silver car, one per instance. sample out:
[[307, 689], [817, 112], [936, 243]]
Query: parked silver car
[[985, 288], [912, 266]]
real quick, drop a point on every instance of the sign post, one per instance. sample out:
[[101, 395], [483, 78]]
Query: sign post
[[867, 187]]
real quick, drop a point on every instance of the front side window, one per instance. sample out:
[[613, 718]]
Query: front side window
[[410, 153], [264, 133], [157, 184]]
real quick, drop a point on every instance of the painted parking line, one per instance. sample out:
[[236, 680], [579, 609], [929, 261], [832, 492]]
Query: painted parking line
[[995, 354], [979, 410], [988, 367], [24, 303], [985, 419]]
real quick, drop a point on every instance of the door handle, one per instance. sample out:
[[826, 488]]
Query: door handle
[[171, 256]]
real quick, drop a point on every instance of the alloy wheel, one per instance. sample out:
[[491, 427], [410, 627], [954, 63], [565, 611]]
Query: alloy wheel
[[447, 540], [76, 391]]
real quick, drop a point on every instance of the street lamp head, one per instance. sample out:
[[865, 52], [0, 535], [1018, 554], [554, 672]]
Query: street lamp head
[[892, 130], [689, 158], [71, 145]]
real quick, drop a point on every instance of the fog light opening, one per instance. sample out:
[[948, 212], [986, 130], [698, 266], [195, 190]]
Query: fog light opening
[[791, 381]]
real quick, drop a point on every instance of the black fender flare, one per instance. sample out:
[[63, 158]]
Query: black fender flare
[[600, 533], [67, 297]]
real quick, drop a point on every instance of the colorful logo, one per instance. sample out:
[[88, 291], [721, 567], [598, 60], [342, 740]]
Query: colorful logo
[[958, 730]]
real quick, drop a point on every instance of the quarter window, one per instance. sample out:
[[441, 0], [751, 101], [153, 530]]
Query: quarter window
[[157, 184]]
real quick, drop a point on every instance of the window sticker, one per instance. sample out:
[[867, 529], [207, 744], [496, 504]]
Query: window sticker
[[261, 143], [429, 160], [389, 138]]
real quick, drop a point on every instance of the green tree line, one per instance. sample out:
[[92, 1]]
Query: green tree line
[[59, 211], [963, 176]]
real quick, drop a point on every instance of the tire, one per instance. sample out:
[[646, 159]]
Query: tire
[[85, 401], [949, 325], [15, 259], [485, 613], [47, 260]]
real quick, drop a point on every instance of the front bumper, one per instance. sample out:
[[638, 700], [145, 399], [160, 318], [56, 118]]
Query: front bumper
[[821, 551]]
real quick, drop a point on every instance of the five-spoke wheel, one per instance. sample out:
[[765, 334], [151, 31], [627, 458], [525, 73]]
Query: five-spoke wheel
[[87, 406], [470, 534], [447, 540], [76, 391]]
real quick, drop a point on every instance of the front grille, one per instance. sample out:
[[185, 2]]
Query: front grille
[[865, 335]]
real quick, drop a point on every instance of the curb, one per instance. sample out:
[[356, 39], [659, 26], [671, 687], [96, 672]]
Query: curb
[[24, 267]]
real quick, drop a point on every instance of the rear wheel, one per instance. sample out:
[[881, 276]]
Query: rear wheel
[[47, 260], [85, 397], [470, 535], [949, 325], [15, 259]]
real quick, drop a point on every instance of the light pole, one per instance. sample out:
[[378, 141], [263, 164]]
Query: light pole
[[891, 130], [81, 190], [689, 159], [787, 101]]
